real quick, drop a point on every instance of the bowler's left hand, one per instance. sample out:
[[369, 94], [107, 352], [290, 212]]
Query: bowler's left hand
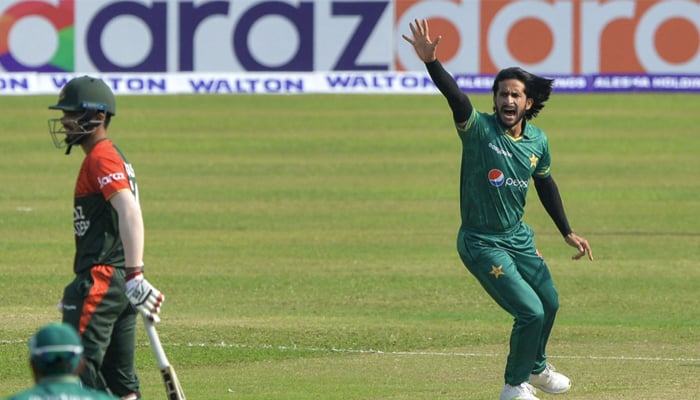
[[580, 244]]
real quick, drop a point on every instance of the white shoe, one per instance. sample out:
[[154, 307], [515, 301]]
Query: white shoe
[[524, 391], [550, 381]]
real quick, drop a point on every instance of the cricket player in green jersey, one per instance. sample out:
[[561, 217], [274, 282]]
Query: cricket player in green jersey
[[56, 359], [109, 290], [501, 152]]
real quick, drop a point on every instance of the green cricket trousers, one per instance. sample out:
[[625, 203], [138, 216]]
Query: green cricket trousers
[[513, 273], [95, 303]]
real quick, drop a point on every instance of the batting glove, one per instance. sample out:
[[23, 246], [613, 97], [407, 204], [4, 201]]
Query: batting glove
[[143, 296]]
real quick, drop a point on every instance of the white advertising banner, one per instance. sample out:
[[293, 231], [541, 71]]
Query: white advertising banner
[[317, 41], [328, 82]]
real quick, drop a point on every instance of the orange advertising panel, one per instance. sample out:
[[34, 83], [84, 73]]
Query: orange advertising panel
[[346, 45], [565, 37]]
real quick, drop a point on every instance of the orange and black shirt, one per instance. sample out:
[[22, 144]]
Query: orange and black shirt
[[104, 172]]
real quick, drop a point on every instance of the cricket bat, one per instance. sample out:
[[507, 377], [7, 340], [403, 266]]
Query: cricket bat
[[173, 389]]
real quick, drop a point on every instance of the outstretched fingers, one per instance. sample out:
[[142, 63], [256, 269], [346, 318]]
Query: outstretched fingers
[[414, 34], [420, 40], [419, 28]]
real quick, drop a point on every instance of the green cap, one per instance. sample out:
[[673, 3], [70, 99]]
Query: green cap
[[56, 349], [84, 93]]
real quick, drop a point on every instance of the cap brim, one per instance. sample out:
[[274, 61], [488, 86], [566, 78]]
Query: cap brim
[[64, 108]]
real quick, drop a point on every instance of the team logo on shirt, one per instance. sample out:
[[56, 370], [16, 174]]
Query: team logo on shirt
[[496, 177], [533, 161]]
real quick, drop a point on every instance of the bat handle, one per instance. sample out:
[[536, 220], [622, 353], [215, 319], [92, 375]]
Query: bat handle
[[155, 344]]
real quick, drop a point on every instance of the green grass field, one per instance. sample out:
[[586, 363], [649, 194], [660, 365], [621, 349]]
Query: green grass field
[[306, 245]]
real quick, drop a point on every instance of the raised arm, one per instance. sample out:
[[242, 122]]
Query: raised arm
[[426, 49]]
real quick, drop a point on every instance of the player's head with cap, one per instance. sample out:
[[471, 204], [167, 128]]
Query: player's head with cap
[[56, 349]]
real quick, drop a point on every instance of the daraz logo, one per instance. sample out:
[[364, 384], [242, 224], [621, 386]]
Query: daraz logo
[[61, 19]]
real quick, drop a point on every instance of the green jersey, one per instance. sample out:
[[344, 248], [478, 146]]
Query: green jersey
[[495, 172], [61, 387]]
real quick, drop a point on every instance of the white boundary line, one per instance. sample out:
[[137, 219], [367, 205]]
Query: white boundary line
[[437, 354], [407, 353], [14, 341]]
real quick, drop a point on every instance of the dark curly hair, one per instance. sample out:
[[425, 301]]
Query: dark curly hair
[[536, 87]]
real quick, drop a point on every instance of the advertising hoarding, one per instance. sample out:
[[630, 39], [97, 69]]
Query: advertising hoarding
[[252, 46]]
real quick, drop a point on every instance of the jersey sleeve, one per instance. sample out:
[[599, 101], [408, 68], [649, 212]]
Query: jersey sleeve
[[103, 172], [462, 130], [111, 176], [542, 170]]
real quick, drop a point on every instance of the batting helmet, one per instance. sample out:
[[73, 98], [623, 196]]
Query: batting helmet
[[89, 96], [86, 93]]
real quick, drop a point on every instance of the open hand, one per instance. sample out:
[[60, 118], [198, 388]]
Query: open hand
[[424, 47]]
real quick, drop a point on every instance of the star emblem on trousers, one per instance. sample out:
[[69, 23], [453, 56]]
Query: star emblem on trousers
[[497, 271]]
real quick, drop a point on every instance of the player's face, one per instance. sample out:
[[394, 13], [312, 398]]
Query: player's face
[[510, 102], [70, 121], [71, 125]]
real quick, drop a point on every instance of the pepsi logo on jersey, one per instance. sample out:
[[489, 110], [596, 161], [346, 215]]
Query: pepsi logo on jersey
[[497, 178]]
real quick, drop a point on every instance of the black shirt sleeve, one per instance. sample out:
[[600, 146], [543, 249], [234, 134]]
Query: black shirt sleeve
[[458, 101], [548, 192]]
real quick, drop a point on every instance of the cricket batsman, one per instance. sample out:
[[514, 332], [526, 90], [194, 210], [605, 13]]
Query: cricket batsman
[[109, 289]]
